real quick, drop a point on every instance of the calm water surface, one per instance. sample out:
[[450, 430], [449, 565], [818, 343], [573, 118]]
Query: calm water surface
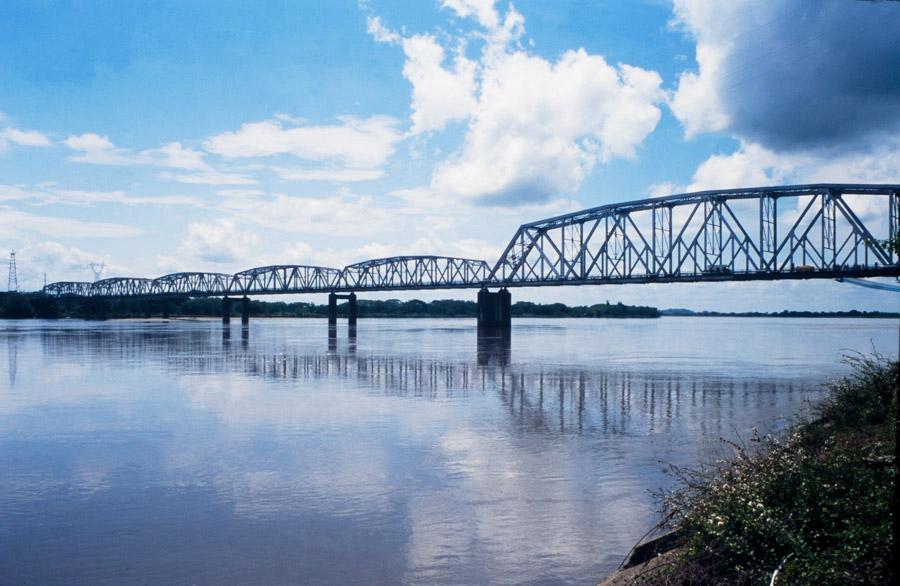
[[177, 452]]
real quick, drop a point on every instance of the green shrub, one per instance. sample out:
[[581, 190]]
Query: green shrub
[[815, 500]]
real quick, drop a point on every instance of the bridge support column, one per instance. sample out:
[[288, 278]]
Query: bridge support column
[[494, 309], [226, 310], [332, 309], [351, 310], [245, 310]]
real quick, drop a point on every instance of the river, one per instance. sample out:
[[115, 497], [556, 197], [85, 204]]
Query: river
[[179, 452]]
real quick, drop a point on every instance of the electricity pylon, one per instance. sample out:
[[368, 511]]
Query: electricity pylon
[[13, 282]]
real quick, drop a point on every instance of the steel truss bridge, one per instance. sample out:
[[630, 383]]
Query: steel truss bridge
[[823, 231]]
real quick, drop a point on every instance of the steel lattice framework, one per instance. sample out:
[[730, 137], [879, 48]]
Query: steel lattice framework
[[807, 231], [768, 233], [121, 286], [195, 284], [68, 289], [416, 272], [287, 279]]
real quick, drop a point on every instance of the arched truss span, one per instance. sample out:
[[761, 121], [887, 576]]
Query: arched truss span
[[121, 286], [799, 232], [68, 289], [191, 284], [416, 272], [286, 279]]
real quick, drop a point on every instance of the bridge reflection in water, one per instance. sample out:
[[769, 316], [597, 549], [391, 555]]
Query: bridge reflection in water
[[601, 400]]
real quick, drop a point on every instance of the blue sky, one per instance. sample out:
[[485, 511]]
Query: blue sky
[[159, 137]]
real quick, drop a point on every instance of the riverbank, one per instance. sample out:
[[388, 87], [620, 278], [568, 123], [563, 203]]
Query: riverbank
[[814, 503]]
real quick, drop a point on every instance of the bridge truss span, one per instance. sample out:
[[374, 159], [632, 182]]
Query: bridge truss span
[[192, 284], [121, 286], [287, 279], [68, 289], [809, 231], [416, 272]]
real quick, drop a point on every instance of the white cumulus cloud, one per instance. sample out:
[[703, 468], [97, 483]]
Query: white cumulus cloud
[[440, 94], [536, 128], [354, 142], [540, 127], [220, 242], [17, 136]]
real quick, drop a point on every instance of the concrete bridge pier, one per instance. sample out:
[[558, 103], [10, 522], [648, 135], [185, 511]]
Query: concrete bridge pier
[[245, 310], [226, 310], [332, 310], [352, 312], [494, 309]]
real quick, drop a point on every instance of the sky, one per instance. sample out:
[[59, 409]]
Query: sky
[[158, 137]]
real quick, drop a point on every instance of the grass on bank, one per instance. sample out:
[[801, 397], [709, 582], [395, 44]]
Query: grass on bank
[[815, 502]]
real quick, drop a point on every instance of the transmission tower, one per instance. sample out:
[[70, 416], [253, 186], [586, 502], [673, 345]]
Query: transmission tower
[[13, 283], [97, 269]]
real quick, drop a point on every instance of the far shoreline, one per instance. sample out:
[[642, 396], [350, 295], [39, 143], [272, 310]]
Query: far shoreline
[[37, 305]]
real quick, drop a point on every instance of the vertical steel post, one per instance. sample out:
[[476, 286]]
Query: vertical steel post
[[768, 231], [894, 228], [829, 227]]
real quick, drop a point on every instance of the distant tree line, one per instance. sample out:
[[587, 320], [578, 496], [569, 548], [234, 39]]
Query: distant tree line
[[37, 305], [783, 313]]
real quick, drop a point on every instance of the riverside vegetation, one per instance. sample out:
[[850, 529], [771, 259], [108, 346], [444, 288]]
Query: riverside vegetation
[[814, 504], [27, 305], [37, 305]]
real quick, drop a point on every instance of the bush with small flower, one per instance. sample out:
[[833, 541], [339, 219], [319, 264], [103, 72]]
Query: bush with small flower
[[813, 503]]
